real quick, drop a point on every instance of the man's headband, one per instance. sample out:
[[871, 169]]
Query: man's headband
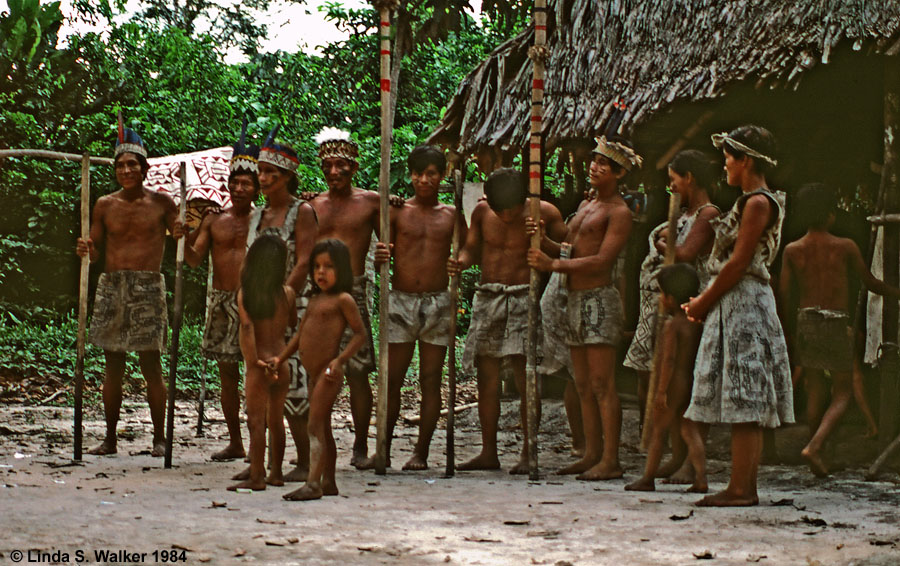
[[720, 140], [619, 153], [336, 143], [277, 154]]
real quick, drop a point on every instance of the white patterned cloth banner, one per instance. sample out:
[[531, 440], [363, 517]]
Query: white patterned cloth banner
[[207, 175]]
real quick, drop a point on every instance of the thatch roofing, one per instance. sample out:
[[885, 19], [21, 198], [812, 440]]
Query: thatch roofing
[[654, 54]]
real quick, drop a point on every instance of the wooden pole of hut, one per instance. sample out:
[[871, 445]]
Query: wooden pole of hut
[[384, 8], [454, 305], [176, 322], [82, 303], [538, 53], [890, 186], [669, 259]]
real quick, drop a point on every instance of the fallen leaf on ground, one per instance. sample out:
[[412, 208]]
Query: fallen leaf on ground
[[516, 522], [813, 521], [480, 539], [682, 517], [705, 555], [551, 502], [756, 558], [184, 548], [269, 522], [274, 543], [293, 540], [545, 534], [218, 504], [783, 503], [239, 552]]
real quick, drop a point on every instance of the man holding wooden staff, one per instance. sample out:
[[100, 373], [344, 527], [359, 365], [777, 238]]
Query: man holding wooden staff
[[421, 233], [350, 214], [128, 230], [597, 233]]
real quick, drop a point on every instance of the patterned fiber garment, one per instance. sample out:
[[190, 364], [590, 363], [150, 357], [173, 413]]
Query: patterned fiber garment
[[742, 373], [499, 325], [130, 312], [594, 317], [221, 335], [419, 316], [824, 340]]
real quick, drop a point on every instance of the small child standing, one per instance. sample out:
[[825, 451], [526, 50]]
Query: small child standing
[[266, 307], [676, 352], [330, 311]]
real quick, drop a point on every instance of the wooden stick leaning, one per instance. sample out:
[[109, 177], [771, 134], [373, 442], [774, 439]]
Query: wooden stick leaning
[[454, 305], [538, 54], [671, 235], [201, 404], [384, 180], [82, 302], [176, 323]]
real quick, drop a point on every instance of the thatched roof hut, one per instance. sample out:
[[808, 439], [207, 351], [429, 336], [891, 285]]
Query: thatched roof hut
[[685, 68]]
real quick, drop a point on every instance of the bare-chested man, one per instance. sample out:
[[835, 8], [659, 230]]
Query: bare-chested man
[[497, 241], [351, 214], [224, 235], [128, 230], [421, 233], [598, 232], [815, 273]]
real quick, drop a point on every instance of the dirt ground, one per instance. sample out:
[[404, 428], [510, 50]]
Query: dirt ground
[[129, 502]]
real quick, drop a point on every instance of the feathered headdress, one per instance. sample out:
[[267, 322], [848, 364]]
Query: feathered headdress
[[278, 155], [244, 157], [616, 151], [336, 143], [128, 141]]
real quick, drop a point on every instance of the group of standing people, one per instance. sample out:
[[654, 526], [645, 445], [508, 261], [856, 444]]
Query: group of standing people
[[288, 298]]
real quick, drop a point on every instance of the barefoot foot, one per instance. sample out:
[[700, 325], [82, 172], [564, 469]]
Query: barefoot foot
[[305, 493], [683, 476], [230, 452], [697, 487], [728, 499], [578, 467], [276, 480], [242, 475], [668, 469], [159, 449], [816, 465], [108, 447], [521, 468], [642, 484], [255, 486], [481, 462], [417, 462], [330, 488], [600, 472], [298, 474]]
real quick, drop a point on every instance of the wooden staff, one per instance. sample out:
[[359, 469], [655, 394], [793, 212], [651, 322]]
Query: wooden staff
[[671, 236], [384, 8], [454, 305], [82, 300], [538, 54], [176, 322], [202, 402]]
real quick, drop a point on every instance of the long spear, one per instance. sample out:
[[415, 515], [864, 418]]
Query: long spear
[[539, 55], [384, 8], [669, 259], [82, 300], [176, 323], [454, 300]]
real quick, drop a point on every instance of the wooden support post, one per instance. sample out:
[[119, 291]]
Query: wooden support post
[[538, 55], [176, 324], [671, 236], [454, 305], [82, 302], [890, 186], [384, 181]]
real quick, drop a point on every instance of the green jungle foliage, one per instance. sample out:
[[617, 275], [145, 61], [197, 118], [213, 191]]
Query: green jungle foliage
[[176, 90]]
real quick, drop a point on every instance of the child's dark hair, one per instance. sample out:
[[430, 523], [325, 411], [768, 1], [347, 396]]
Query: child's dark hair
[[340, 257], [262, 277], [700, 165], [505, 188], [815, 202], [756, 138], [680, 281], [244, 173], [424, 155]]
